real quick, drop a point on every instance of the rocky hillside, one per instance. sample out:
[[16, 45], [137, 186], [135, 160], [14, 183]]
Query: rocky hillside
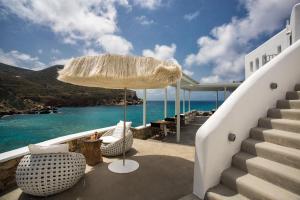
[[25, 91]]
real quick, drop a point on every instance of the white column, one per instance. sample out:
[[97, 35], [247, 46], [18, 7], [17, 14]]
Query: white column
[[145, 108], [217, 100], [177, 103], [225, 91], [166, 103], [189, 100], [183, 102]]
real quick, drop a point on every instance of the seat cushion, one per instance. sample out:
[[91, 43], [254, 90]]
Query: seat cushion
[[57, 148], [109, 139], [118, 131]]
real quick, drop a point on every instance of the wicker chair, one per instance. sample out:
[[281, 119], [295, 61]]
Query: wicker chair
[[47, 174], [115, 148]]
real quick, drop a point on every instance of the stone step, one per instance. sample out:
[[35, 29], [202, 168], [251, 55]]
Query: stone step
[[281, 124], [284, 138], [274, 152], [297, 87], [189, 197], [221, 192], [279, 174], [292, 95], [253, 187], [287, 104], [284, 113]]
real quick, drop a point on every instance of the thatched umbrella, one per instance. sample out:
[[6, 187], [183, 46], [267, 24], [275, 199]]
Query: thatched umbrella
[[120, 72]]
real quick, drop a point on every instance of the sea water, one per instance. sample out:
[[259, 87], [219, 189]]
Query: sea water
[[20, 130]]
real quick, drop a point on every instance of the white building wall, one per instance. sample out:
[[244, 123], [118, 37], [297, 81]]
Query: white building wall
[[295, 23], [275, 45]]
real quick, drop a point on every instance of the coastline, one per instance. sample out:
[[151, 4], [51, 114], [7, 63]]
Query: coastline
[[44, 109]]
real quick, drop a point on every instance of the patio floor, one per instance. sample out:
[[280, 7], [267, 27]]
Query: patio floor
[[165, 173]]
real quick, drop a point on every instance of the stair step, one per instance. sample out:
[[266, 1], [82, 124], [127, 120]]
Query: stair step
[[274, 152], [297, 87], [286, 104], [279, 174], [253, 187], [284, 113], [189, 197], [281, 124], [221, 192], [280, 137], [292, 95]]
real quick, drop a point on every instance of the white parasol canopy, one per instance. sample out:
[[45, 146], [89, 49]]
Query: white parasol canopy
[[118, 72]]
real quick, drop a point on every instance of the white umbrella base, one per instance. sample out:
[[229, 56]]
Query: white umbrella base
[[118, 167]]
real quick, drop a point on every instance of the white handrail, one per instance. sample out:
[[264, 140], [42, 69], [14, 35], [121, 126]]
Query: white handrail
[[239, 113]]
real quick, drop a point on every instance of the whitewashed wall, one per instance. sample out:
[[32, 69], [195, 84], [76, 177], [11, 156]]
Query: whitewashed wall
[[270, 47], [238, 114], [295, 22]]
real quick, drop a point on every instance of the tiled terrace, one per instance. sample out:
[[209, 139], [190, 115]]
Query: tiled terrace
[[166, 173]]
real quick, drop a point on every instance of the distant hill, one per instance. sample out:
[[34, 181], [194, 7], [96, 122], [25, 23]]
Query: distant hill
[[23, 90]]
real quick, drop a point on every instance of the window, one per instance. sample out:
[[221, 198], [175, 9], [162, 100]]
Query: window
[[257, 63], [264, 59], [279, 49], [251, 66]]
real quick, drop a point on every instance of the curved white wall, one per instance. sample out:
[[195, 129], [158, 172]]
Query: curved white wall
[[238, 114], [295, 22]]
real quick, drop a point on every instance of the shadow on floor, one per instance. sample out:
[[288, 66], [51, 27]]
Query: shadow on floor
[[187, 132], [159, 177]]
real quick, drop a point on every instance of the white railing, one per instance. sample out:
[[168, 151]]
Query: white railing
[[24, 150], [239, 113]]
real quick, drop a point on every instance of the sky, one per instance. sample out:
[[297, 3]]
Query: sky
[[208, 38]]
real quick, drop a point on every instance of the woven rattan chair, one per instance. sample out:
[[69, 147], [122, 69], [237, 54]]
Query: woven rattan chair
[[47, 174], [115, 148]]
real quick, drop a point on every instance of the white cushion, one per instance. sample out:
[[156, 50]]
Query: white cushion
[[109, 139], [57, 148], [118, 131]]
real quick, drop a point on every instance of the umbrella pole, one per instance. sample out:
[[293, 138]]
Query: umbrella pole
[[119, 166], [124, 129]]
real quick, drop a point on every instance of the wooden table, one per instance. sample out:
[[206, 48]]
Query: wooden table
[[92, 152], [163, 125]]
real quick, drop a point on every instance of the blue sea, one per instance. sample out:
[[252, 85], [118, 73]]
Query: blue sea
[[20, 130]]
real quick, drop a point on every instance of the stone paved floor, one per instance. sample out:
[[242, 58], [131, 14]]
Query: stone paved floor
[[165, 173]]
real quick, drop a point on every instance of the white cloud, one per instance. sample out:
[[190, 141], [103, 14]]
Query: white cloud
[[90, 52], [188, 72], [191, 16], [161, 52], [40, 51], [61, 61], [75, 20], [226, 46], [16, 58], [115, 44], [143, 20], [149, 4], [210, 79], [55, 51]]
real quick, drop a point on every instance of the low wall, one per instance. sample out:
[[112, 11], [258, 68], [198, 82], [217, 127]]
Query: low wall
[[10, 160], [142, 132], [7, 173]]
